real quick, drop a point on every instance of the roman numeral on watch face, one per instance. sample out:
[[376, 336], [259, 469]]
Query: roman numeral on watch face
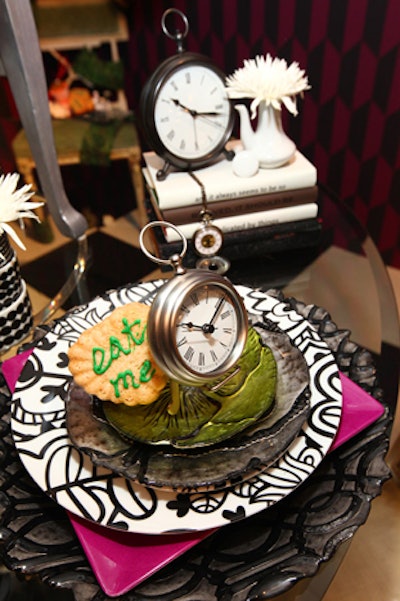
[[189, 354]]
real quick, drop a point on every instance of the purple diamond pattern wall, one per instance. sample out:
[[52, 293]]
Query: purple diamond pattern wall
[[348, 123]]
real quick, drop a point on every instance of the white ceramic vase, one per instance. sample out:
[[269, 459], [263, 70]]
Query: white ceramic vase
[[269, 143]]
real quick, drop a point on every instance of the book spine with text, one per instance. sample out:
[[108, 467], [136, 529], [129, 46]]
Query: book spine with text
[[240, 206], [249, 220]]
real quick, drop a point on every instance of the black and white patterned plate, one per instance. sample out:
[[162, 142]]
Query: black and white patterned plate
[[97, 494]]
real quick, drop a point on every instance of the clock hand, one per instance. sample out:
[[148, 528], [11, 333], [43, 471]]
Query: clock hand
[[182, 106], [209, 328], [193, 112], [196, 141], [207, 113], [206, 328], [210, 121], [190, 325], [217, 308]]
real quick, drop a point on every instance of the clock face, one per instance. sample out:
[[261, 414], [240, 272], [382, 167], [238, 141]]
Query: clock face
[[207, 328], [197, 327], [192, 114]]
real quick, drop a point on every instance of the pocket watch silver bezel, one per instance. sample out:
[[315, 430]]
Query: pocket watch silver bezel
[[162, 324]]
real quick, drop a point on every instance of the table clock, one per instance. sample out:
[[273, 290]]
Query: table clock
[[186, 116], [197, 325]]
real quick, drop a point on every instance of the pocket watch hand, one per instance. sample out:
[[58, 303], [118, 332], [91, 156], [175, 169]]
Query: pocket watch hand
[[217, 308], [190, 326]]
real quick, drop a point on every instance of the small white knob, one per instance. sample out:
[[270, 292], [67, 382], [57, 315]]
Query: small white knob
[[245, 164]]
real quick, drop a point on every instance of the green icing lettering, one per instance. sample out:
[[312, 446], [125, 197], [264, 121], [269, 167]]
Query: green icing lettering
[[102, 358], [127, 378], [116, 347], [147, 371], [98, 362], [124, 377], [136, 339]]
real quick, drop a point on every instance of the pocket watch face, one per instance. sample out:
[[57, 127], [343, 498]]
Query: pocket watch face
[[197, 327], [207, 328], [208, 240], [192, 114]]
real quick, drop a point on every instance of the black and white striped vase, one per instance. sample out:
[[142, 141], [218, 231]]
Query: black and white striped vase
[[15, 306]]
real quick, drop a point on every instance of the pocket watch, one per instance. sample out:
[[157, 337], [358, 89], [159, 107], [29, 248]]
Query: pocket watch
[[208, 239], [197, 324], [186, 115], [207, 242]]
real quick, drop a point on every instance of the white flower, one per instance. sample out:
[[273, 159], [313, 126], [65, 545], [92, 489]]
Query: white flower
[[15, 204], [270, 80]]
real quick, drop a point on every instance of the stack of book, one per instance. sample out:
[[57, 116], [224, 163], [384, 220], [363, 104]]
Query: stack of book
[[273, 210]]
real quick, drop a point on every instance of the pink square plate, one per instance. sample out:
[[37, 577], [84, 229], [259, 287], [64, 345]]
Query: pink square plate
[[121, 560]]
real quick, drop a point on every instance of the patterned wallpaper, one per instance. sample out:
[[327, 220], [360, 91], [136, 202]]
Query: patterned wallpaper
[[348, 123]]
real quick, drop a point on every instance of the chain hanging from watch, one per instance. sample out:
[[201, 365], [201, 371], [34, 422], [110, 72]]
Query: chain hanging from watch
[[208, 239]]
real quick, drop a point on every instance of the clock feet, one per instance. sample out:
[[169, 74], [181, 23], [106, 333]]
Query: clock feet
[[162, 173], [229, 154]]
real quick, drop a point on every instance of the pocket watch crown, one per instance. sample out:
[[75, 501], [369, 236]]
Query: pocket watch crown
[[176, 262]]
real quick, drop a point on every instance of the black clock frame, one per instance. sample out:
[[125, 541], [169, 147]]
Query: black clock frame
[[146, 111]]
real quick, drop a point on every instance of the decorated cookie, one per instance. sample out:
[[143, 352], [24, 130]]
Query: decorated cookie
[[112, 360]]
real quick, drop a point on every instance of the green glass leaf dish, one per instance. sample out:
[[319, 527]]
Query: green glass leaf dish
[[204, 417]]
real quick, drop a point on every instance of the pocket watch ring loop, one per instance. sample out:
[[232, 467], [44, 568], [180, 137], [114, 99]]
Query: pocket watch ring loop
[[174, 259], [178, 36]]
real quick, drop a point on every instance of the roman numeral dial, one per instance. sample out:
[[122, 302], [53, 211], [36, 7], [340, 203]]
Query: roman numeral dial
[[206, 328], [192, 113], [197, 327]]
